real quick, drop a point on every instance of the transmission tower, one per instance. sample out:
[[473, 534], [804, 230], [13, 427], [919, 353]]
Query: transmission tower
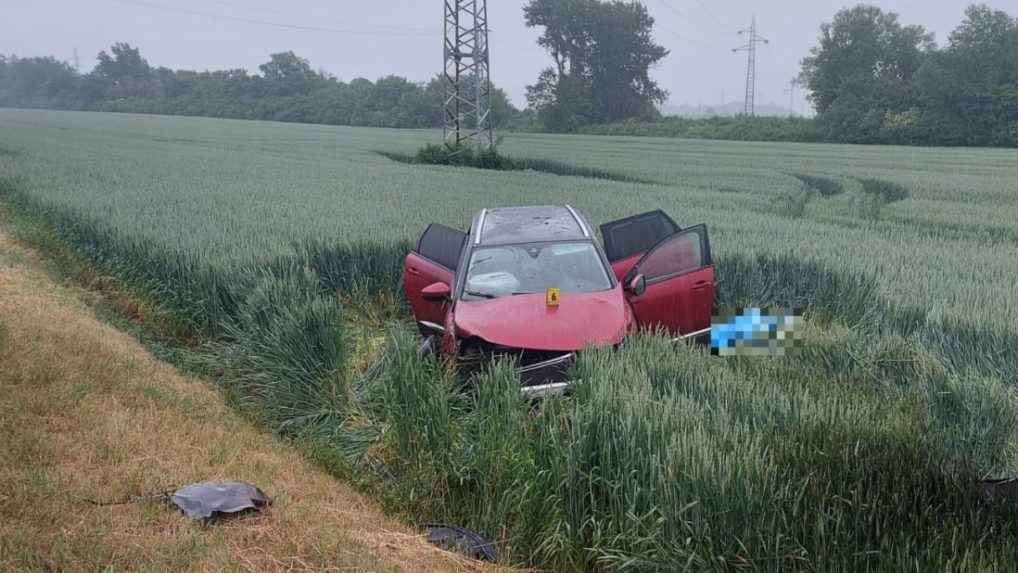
[[467, 75], [750, 106], [791, 98]]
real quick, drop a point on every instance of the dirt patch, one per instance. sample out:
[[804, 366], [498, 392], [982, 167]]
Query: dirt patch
[[86, 412]]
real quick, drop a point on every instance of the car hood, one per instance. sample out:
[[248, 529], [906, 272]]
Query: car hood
[[526, 321]]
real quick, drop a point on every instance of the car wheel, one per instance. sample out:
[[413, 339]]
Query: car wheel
[[428, 347]]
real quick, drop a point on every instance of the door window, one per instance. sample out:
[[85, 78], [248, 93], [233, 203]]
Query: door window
[[679, 254], [637, 234], [442, 245]]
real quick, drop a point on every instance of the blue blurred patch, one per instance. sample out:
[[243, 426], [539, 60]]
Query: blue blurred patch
[[756, 332]]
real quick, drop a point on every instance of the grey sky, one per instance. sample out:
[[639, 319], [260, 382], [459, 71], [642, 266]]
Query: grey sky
[[404, 37]]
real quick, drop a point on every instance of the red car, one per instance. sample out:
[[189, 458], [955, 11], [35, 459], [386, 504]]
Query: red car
[[534, 283]]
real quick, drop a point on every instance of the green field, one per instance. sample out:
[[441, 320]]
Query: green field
[[226, 193], [277, 247]]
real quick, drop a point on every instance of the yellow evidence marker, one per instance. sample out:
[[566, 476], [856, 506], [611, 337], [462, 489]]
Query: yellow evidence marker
[[553, 297]]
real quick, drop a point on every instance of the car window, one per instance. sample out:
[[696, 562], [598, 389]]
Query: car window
[[679, 254], [637, 234], [534, 268], [442, 245]]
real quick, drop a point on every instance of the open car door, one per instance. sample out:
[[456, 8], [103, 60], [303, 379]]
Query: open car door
[[433, 260], [627, 240], [678, 275]]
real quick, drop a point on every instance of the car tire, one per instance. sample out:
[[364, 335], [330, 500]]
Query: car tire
[[428, 347]]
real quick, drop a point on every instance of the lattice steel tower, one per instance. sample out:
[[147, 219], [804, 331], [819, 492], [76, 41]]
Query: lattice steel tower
[[749, 108], [467, 75]]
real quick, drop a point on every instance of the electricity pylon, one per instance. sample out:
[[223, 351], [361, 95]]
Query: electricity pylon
[[749, 108], [467, 75]]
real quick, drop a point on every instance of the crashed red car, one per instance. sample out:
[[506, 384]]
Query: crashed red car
[[535, 284]]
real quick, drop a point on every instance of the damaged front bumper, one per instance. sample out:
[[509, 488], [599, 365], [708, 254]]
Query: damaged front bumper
[[547, 378], [541, 373]]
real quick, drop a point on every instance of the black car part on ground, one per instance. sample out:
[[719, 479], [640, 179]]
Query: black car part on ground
[[208, 500], [470, 543]]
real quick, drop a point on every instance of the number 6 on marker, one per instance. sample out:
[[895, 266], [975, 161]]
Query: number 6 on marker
[[553, 297]]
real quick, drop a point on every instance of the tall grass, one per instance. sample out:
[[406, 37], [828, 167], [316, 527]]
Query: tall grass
[[864, 452], [668, 459], [286, 347], [222, 194], [824, 186], [887, 191]]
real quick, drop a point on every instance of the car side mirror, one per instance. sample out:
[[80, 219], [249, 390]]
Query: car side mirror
[[436, 292], [637, 285]]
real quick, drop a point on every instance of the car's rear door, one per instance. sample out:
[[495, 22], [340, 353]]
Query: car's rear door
[[433, 260], [627, 240], [679, 276]]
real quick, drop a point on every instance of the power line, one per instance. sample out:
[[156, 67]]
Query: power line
[[312, 18], [686, 39], [712, 15], [514, 43], [275, 24], [688, 19]]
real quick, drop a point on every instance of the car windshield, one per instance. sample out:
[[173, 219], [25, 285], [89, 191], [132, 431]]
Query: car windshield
[[534, 268]]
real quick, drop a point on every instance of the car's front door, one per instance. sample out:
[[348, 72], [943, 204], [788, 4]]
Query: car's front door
[[679, 277], [627, 240], [433, 260]]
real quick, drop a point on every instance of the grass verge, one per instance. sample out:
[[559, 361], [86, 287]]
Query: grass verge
[[86, 412]]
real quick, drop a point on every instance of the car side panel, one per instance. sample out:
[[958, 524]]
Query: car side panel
[[679, 277], [680, 305], [419, 273]]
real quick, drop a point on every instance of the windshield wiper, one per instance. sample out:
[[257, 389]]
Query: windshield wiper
[[479, 294]]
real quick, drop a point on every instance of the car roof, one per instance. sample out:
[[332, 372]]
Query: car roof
[[515, 225]]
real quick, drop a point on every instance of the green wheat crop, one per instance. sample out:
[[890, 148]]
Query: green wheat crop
[[279, 247]]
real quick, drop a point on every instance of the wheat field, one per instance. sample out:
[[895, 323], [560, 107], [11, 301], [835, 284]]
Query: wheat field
[[267, 257]]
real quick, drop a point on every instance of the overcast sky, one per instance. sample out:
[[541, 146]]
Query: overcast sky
[[372, 38]]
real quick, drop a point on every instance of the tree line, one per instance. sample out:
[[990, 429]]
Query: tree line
[[874, 80], [870, 78], [287, 89]]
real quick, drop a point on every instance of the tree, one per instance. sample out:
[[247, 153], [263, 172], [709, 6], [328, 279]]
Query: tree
[[36, 82], [863, 70], [288, 89], [564, 103], [603, 54], [286, 74], [125, 65], [969, 90], [122, 81]]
